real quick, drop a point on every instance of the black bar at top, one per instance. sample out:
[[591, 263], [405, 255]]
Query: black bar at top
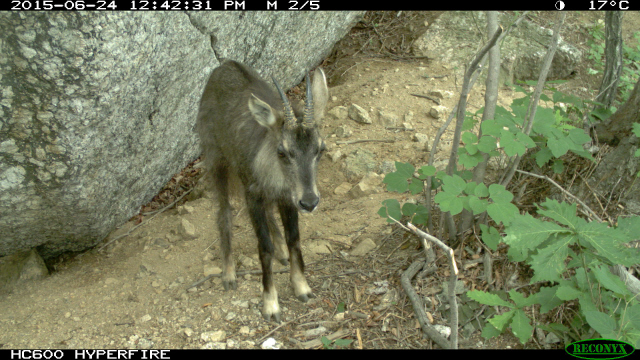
[[313, 5]]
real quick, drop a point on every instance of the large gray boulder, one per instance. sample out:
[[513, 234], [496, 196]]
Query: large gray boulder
[[97, 109]]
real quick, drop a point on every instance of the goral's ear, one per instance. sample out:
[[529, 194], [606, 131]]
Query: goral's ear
[[261, 111], [320, 93]]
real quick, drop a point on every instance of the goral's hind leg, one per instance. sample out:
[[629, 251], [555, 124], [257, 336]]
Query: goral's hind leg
[[225, 225]]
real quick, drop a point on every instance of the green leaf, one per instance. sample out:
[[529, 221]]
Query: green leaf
[[409, 209], [426, 171], [390, 208], [547, 299], [521, 326], [526, 233], [396, 182], [520, 300], [478, 206], [510, 145], [501, 321], [489, 331], [601, 323], [421, 215], [568, 292], [448, 202], [469, 138], [558, 145], [543, 156], [472, 149], [469, 161], [548, 263], [610, 281], [416, 186], [579, 137], [342, 342], [633, 314], [558, 166], [481, 190], [525, 140], [491, 127], [561, 212], [487, 298], [454, 185], [499, 194], [607, 242], [487, 144], [405, 169], [502, 212], [490, 236], [629, 226]]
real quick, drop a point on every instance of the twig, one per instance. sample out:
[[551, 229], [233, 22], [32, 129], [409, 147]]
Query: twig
[[437, 101], [588, 209], [315, 343], [434, 76], [146, 221], [418, 307], [312, 312], [364, 140]]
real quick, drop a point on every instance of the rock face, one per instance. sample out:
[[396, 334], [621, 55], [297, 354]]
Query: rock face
[[97, 109], [521, 54]]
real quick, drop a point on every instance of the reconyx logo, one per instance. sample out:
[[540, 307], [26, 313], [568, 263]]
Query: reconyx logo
[[599, 349]]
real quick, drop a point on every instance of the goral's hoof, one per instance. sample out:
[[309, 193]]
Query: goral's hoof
[[305, 297], [277, 317], [230, 284]]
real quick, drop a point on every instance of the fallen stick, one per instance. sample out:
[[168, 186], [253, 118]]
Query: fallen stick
[[364, 140]]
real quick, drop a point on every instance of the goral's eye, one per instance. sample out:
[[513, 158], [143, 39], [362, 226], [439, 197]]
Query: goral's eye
[[281, 152]]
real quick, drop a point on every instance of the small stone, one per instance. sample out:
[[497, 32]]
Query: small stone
[[213, 336], [367, 186], [438, 111], [319, 247], [339, 112], [343, 131], [408, 117], [270, 343], [436, 94], [211, 270], [364, 247], [420, 138], [342, 188], [388, 119], [313, 333], [185, 209], [359, 114], [335, 155], [187, 229]]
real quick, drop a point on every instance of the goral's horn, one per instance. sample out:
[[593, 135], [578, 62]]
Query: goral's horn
[[308, 120], [289, 118]]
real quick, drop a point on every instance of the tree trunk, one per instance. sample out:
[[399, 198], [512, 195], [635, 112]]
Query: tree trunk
[[620, 124], [613, 56]]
